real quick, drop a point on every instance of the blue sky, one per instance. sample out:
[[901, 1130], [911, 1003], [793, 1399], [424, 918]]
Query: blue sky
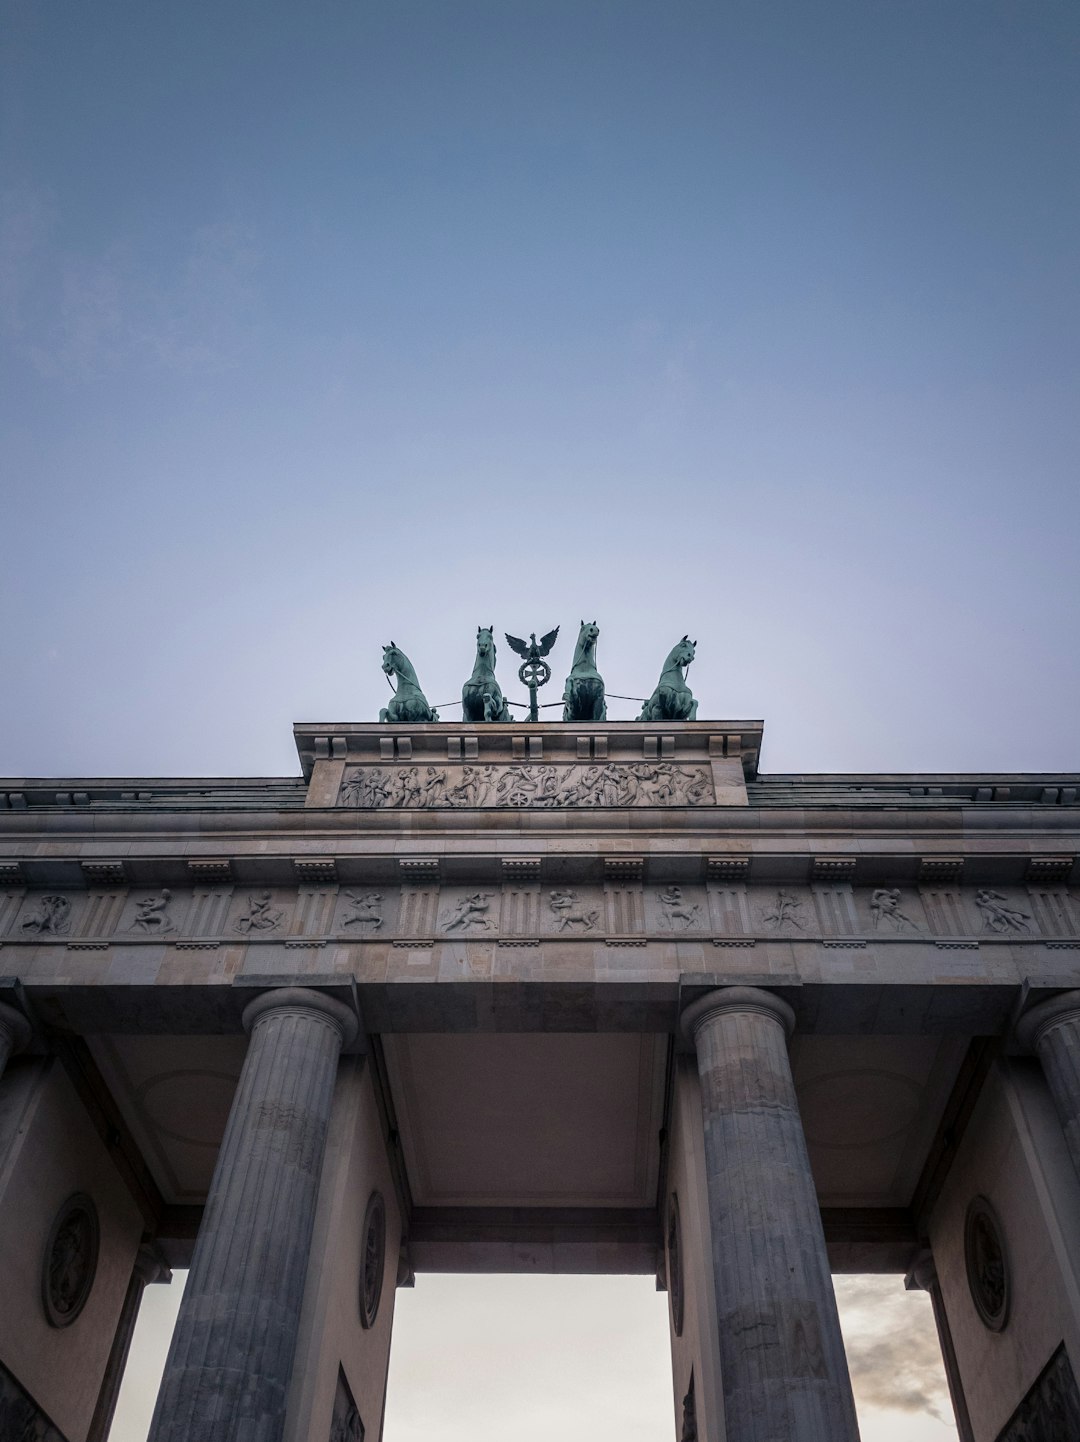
[[324, 325], [332, 323]]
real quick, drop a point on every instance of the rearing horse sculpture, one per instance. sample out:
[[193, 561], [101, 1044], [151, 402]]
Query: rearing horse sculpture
[[673, 700], [409, 703], [583, 698], [481, 698]]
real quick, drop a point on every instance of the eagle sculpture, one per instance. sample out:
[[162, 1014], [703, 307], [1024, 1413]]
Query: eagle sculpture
[[530, 650]]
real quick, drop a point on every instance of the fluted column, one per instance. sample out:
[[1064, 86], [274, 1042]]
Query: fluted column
[[782, 1358], [14, 1033], [1052, 1031], [923, 1277], [232, 1352]]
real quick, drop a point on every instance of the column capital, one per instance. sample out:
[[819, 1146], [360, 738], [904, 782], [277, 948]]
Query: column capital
[[301, 1001], [922, 1274], [735, 999], [1036, 1022], [15, 1026]]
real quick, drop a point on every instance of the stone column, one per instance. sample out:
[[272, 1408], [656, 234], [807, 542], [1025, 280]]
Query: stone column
[[148, 1268], [14, 1033], [1052, 1031], [923, 1277], [231, 1357], [782, 1359]]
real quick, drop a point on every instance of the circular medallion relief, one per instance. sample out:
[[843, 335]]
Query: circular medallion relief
[[372, 1258], [675, 1264], [70, 1260], [987, 1264]]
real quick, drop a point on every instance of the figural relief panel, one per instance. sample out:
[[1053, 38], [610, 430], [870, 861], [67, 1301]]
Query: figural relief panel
[[637, 783]]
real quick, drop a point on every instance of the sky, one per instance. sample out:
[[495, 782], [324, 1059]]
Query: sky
[[364, 320]]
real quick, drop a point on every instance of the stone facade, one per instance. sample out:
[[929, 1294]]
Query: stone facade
[[565, 997]]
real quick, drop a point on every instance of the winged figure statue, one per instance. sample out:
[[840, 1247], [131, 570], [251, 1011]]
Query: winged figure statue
[[533, 650]]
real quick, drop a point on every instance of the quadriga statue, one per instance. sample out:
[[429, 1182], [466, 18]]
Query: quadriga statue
[[583, 698], [409, 703], [481, 698], [673, 700]]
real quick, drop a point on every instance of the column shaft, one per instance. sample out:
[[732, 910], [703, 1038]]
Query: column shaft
[[782, 1358], [1052, 1031], [231, 1357]]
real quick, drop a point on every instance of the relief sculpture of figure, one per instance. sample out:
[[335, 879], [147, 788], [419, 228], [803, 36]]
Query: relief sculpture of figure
[[583, 698], [783, 913], [366, 910], [673, 700], [409, 703], [676, 909], [885, 906], [998, 915], [569, 915], [260, 916], [53, 917], [473, 911], [153, 913], [481, 698]]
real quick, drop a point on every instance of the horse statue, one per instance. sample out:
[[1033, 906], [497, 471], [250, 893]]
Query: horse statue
[[409, 703], [481, 699], [583, 698], [673, 700]]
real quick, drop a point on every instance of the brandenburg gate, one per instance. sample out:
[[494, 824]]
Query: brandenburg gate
[[522, 996]]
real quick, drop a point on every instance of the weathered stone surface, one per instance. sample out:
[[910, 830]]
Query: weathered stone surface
[[14, 1033], [232, 1352], [781, 1353], [1052, 1031]]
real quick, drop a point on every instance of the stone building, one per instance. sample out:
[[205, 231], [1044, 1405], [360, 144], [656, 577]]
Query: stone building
[[562, 997]]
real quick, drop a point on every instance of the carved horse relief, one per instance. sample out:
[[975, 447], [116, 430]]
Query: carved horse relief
[[481, 698], [409, 703], [583, 698], [673, 700]]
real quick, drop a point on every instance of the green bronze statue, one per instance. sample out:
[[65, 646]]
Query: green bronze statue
[[481, 698], [409, 703], [583, 698], [673, 700]]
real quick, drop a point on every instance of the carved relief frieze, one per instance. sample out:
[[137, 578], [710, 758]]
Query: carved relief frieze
[[1000, 915], [785, 912], [680, 910], [258, 914], [469, 914], [152, 916], [634, 783], [570, 913], [45, 916], [361, 913], [890, 912]]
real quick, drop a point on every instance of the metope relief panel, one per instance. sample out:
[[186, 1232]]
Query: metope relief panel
[[631, 783], [151, 915], [787, 911], [891, 911], [260, 911], [1001, 913], [366, 911], [572, 911], [466, 912], [674, 910], [47, 916]]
